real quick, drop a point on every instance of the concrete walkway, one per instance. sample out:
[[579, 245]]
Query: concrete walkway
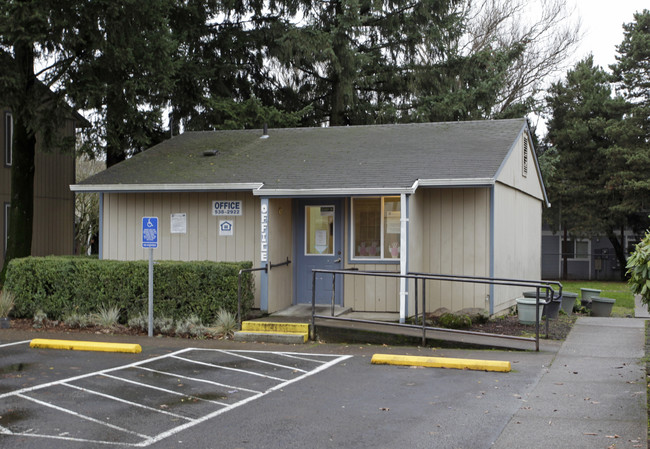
[[592, 396]]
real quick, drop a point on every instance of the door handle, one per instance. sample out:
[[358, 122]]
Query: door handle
[[338, 260]]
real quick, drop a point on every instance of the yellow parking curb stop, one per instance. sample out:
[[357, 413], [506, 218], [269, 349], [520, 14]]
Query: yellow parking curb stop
[[85, 345], [441, 362]]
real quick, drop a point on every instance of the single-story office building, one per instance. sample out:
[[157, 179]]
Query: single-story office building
[[461, 198]]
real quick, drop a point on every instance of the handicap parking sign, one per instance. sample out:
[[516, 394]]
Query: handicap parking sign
[[150, 232]]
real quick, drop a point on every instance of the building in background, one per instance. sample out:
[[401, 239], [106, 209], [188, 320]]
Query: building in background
[[586, 258], [53, 230]]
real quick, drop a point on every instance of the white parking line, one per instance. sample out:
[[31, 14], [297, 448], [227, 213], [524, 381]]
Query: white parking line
[[196, 379], [295, 356], [124, 401], [165, 390], [96, 373], [322, 362], [290, 368], [227, 368], [175, 430], [15, 343], [79, 415]]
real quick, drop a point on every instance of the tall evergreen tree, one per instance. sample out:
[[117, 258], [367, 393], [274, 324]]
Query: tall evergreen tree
[[582, 111], [629, 159], [357, 62], [220, 68], [125, 78]]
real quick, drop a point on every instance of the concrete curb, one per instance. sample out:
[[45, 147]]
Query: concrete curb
[[85, 345], [441, 362], [271, 337]]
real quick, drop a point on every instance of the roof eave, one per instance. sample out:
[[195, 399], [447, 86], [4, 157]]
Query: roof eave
[[458, 182], [152, 188], [353, 191]]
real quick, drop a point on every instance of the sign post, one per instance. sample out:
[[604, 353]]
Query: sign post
[[150, 240]]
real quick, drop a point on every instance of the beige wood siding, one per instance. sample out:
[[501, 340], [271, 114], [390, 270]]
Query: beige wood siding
[[511, 172], [370, 293], [416, 251], [123, 214], [280, 289], [517, 242], [455, 240]]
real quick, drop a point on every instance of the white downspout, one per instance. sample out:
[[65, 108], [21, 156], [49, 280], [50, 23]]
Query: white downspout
[[403, 258]]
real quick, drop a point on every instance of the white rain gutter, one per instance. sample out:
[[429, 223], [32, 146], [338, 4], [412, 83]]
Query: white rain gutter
[[134, 188], [333, 192], [458, 182]]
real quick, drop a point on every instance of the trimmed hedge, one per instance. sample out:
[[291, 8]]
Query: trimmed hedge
[[62, 285]]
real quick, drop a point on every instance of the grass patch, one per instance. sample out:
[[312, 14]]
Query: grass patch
[[620, 291]]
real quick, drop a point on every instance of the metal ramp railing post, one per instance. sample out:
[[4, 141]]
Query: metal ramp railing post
[[538, 285]]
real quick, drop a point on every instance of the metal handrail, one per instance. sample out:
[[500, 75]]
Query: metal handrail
[[532, 284], [244, 270], [266, 269], [538, 285]]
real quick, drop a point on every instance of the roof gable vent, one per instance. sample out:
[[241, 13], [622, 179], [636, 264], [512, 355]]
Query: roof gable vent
[[524, 167]]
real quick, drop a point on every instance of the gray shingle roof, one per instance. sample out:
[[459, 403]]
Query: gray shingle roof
[[389, 157]]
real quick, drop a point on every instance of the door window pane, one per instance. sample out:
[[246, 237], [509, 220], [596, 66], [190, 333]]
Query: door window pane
[[319, 229]]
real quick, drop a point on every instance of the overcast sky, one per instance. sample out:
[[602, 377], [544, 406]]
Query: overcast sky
[[602, 23]]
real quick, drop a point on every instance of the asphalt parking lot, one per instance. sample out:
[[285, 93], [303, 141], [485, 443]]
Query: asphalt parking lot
[[228, 395]]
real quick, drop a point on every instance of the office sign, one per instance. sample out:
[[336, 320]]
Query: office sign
[[228, 208]]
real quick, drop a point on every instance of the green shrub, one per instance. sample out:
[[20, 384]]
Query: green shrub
[[106, 316], [190, 327], [455, 321], [161, 324], [226, 323], [638, 268], [139, 321], [77, 320], [63, 285], [7, 302], [39, 318]]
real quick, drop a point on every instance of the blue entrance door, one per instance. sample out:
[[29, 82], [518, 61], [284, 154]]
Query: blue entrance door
[[318, 241]]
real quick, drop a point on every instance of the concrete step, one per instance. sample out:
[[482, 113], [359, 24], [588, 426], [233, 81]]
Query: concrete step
[[273, 332], [273, 326]]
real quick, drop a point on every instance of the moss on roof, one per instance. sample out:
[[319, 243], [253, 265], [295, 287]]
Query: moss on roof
[[388, 156]]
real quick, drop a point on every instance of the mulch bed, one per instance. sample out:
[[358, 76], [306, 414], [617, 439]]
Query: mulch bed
[[558, 329], [54, 326], [507, 325]]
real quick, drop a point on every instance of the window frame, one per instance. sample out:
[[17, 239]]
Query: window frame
[[380, 258], [573, 253], [7, 213], [8, 138]]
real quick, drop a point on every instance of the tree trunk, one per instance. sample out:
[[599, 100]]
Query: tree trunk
[[115, 146], [619, 249], [21, 216], [341, 72], [565, 256]]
